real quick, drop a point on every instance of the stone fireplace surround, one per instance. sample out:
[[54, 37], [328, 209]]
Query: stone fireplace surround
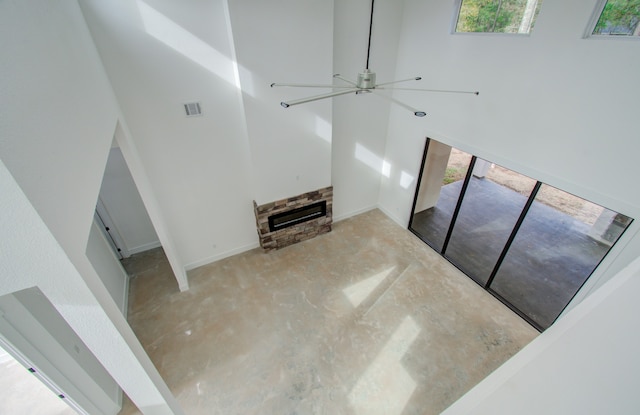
[[300, 232]]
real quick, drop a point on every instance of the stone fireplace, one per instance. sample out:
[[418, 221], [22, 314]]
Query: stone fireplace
[[288, 221]]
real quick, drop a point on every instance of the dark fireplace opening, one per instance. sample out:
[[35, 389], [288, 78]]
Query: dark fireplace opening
[[296, 216]]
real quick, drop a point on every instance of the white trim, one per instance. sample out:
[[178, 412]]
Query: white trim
[[145, 247], [218, 257], [595, 16], [213, 258], [123, 303], [235, 251], [125, 309], [457, 5], [354, 213], [614, 38], [500, 34], [113, 232], [393, 217]]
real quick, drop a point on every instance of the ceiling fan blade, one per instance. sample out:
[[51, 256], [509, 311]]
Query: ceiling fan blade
[[344, 79], [310, 85], [317, 97], [415, 78], [416, 112], [431, 90]]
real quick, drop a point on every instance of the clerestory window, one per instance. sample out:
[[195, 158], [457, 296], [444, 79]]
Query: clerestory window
[[496, 16], [616, 18]]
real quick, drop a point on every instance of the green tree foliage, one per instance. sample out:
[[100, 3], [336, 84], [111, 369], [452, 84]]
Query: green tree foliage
[[502, 16], [619, 17]]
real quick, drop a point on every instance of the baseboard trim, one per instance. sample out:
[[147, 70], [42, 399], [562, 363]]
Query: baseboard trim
[[354, 213], [125, 299], [208, 260], [393, 217], [218, 257], [144, 247]]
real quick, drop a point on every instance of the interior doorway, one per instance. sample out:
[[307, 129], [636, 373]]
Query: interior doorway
[[24, 390], [531, 245], [62, 374], [120, 211], [121, 227]]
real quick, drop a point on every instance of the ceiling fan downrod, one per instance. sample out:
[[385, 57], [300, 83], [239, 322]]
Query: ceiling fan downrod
[[365, 83]]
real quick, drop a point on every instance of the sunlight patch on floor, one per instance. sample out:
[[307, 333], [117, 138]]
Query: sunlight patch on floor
[[386, 387]]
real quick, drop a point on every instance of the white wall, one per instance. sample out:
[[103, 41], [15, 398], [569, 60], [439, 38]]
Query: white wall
[[285, 41], [360, 121], [552, 105], [586, 363], [55, 133], [158, 55], [122, 202]]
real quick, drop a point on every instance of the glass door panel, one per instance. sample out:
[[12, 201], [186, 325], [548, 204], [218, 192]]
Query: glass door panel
[[441, 180], [531, 245], [561, 241], [490, 208]]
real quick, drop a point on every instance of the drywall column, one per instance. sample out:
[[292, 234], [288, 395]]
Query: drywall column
[[122, 202], [130, 153], [481, 168], [435, 167], [30, 256], [609, 226]]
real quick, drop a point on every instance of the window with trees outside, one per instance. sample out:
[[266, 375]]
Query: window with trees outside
[[618, 18], [497, 16]]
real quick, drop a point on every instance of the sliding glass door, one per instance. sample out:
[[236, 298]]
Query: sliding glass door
[[531, 245], [559, 244], [488, 213], [444, 170]]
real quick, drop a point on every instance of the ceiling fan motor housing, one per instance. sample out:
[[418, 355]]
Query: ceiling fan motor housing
[[366, 80]]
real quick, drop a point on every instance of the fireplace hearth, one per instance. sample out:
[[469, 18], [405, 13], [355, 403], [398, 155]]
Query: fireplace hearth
[[295, 219]]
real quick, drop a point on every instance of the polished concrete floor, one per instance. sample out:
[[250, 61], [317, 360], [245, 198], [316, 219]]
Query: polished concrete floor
[[549, 260], [364, 320]]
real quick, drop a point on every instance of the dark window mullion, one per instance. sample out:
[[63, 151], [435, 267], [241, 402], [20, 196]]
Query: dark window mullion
[[515, 230], [467, 179], [415, 197]]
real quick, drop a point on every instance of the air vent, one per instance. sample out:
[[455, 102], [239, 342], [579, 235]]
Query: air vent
[[193, 109]]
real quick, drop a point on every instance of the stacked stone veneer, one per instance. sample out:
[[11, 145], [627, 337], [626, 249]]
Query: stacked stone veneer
[[296, 233]]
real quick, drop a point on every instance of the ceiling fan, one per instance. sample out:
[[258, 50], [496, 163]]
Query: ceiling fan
[[365, 83]]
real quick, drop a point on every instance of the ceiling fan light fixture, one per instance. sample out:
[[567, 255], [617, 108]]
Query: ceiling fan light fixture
[[365, 83], [366, 79]]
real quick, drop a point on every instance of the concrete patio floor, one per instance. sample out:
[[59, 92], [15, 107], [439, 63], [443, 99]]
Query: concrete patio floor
[[549, 260]]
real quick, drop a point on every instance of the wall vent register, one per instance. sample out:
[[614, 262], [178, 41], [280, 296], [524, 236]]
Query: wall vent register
[[193, 109]]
